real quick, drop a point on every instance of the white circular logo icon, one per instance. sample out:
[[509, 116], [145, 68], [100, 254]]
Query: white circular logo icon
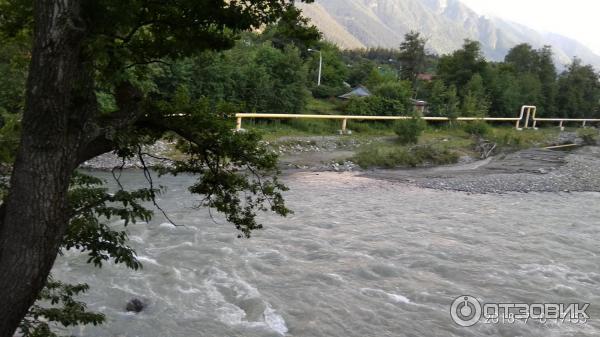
[[465, 310]]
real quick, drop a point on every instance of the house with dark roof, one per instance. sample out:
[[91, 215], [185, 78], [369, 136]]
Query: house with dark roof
[[359, 91]]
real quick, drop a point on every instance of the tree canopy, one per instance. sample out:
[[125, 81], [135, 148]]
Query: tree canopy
[[91, 90], [412, 56]]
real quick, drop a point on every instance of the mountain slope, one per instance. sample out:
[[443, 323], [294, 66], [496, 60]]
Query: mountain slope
[[445, 23]]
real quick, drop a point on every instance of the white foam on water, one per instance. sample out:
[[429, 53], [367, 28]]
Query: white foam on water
[[137, 239], [398, 298], [147, 259], [378, 293], [564, 290], [177, 273], [127, 313], [546, 270], [126, 288], [336, 276], [166, 248], [219, 279], [189, 291], [227, 250], [275, 321], [231, 314], [71, 252], [167, 225]]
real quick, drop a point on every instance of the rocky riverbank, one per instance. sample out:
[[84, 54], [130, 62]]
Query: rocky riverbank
[[314, 153], [532, 170], [317, 153], [154, 155]]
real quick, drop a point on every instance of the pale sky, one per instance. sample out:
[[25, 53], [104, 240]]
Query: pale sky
[[578, 19]]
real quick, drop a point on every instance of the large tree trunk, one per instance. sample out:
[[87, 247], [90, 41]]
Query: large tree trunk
[[56, 125]]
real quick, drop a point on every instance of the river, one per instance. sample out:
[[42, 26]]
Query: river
[[360, 257]]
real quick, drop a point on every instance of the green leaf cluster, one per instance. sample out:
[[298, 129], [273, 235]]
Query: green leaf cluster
[[92, 208]]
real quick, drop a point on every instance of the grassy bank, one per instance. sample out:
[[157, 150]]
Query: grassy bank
[[273, 129], [393, 155], [438, 144], [446, 144]]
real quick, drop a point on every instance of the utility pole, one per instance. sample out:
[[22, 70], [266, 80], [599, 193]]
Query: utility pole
[[320, 64]]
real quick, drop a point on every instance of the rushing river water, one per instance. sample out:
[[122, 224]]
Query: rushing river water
[[360, 257]]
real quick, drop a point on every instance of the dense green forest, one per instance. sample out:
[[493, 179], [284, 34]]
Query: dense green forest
[[272, 71]]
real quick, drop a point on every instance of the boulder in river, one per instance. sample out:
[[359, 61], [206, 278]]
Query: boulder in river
[[136, 305]]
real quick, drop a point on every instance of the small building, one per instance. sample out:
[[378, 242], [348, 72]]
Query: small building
[[425, 77], [359, 91], [419, 105]]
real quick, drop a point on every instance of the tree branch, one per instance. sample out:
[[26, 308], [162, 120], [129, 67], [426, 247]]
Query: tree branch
[[129, 100], [148, 177], [127, 38], [96, 147], [146, 63]]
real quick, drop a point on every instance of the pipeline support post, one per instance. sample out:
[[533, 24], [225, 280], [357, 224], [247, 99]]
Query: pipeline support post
[[527, 117], [518, 125], [562, 128], [238, 124], [344, 124]]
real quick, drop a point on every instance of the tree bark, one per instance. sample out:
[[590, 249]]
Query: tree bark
[[56, 125]]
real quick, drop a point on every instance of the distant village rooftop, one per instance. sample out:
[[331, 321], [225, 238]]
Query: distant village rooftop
[[359, 91]]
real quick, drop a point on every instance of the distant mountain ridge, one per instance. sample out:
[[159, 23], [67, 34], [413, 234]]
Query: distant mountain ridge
[[446, 23]]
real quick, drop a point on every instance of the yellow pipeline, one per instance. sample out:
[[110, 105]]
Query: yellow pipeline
[[529, 111]]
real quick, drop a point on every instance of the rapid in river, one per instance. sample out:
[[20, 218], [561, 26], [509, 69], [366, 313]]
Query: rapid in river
[[359, 257]]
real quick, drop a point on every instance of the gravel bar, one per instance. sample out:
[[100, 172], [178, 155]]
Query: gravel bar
[[533, 170]]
